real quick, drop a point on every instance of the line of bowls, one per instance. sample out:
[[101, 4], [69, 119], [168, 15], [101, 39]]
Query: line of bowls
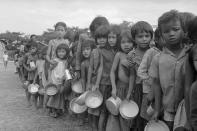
[[93, 99]]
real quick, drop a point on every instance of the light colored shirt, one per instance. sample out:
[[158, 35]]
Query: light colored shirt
[[144, 67], [170, 71], [40, 67], [57, 74], [5, 57]]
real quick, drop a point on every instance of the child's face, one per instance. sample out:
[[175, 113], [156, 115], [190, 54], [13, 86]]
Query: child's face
[[33, 38], [126, 45], [61, 53], [39, 55], [33, 50], [112, 39], [60, 31], [101, 41], [142, 39], [86, 52], [172, 32]]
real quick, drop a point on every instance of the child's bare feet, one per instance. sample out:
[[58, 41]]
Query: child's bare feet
[[54, 114]]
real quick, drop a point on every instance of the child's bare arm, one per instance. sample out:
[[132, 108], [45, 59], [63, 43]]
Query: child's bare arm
[[49, 53], [158, 94], [83, 76], [132, 78], [99, 74], [113, 72], [90, 69], [154, 74], [36, 75], [78, 56], [26, 67]]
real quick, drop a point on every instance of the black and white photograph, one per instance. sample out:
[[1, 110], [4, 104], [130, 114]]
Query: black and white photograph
[[98, 65]]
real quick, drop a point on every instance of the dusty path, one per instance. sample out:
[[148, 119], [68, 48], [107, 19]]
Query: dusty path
[[16, 116]]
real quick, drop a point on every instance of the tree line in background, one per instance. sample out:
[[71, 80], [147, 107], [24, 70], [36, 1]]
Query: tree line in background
[[12, 39]]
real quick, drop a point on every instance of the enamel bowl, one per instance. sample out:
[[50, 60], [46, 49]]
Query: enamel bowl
[[156, 126], [128, 109], [51, 89], [76, 108], [93, 99], [77, 87], [81, 99], [33, 88], [25, 84], [113, 105]]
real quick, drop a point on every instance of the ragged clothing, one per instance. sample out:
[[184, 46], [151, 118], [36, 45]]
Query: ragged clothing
[[57, 74], [144, 67], [170, 71]]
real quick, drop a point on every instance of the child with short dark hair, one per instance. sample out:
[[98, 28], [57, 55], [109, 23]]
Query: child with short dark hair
[[120, 71], [190, 78], [87, 46], [145, 65], [98, 74], [56, 102], [40, 77], [97, 21], [114, 38], [30, 66], [142, 33], [60, 30], [167, 68], [186, 17]]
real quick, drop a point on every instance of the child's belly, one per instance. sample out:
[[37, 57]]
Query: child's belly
[[122, 76]]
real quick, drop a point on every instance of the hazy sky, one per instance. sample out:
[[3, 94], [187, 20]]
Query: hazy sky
[[35, 16]]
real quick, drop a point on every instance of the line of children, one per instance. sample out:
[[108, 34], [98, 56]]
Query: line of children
[[120, 65]]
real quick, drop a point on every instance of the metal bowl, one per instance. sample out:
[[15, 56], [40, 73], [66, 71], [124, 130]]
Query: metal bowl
[[81, 99], [51, 89], [113, 105], [128, 109], [94, 99], [156, 126], [25, 84], [76, 108], [33, 88], [77, 87]]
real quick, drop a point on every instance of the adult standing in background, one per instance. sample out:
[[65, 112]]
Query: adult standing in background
[[32, 42], [5, 59]]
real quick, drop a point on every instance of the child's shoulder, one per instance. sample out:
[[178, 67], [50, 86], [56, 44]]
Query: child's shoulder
[[157, 57], [119, 54], [152, 51], [95, 51], [132, 52]]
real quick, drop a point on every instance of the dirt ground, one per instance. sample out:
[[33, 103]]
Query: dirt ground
[[16, 116]]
